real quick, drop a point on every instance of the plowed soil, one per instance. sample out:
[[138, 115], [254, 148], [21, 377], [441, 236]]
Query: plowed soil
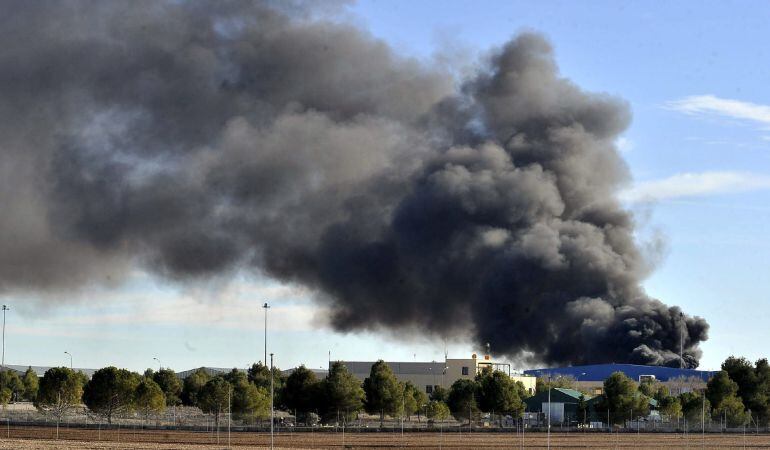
[[45, 438]]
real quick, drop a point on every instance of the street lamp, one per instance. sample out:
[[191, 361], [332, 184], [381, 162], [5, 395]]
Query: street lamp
[[5, 308], [266, 307], [70, 354], [160, 366]]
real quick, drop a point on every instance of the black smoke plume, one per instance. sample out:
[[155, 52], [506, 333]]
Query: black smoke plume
[[197, 138]]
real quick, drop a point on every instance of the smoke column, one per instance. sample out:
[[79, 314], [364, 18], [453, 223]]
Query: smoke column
[[194, 139]]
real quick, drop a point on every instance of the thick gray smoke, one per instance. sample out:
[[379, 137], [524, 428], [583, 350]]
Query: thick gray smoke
[[197, 138]]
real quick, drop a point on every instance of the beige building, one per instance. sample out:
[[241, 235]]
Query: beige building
[[428, 375]]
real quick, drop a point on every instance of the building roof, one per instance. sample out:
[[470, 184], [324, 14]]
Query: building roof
[[600, 372], [571, 393], [558, 395], [399, 368], [40, 370]]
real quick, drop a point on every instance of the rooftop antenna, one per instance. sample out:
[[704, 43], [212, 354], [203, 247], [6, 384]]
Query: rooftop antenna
[[446, 352]]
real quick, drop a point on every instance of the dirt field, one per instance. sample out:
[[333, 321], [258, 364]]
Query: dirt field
[[44, 438]]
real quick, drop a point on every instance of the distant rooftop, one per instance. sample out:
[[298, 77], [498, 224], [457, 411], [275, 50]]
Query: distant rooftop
[[600, 372], [40, 370]]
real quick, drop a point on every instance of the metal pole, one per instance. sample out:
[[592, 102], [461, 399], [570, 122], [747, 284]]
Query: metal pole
[[70, 355], [681, 341], [703, 419], [229, 413], [160, 365], [272, 411], [549, 411], [266, 307], [5, 308]]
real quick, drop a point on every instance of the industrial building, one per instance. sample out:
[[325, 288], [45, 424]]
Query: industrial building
[[564, 403], [591, 377], [429, 375]]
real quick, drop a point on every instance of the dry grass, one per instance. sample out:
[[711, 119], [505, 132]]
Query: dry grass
[[44, 438]]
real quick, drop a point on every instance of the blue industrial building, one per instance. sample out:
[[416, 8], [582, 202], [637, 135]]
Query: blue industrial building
[[600, 372]]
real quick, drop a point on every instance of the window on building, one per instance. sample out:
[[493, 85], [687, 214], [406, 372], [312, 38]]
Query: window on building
[[428, 389], [465, 370]]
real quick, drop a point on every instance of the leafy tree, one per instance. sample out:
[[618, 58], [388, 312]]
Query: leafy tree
[[733, 410], [499, 393], [694, 407], [192, 385], [60, 390], [235, 376], [111, 391], [670, 406], [653, 389], [31, 383], [384, 394], [420, 400], [440, 394], [437, 410], [10, 380], [249, 400], [342, 392], [741, 371], [409, 402], [753, 384], [542, 384], [720, 387], [462, 399], [149, 398], [259, 374], [582, 410], [5, 396], [148, 373], [170, 385], [760, 402], [301, 392], [622, 399], [214, 397]]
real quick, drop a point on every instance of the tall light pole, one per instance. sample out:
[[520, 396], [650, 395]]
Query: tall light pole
[[160, 366], [549, 411], [272, 411], [5, 308], [70, 355], [266, 307], [681, 340]]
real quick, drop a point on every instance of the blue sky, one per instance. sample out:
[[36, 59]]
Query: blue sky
[[695, 76]]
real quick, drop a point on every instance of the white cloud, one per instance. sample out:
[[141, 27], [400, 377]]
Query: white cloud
[[725, 107], [234, 306], [624, 144], [695, 185]]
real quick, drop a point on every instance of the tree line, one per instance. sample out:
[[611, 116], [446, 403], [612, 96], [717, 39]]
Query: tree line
[[340, 396], [736, 395], [739, 391]]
